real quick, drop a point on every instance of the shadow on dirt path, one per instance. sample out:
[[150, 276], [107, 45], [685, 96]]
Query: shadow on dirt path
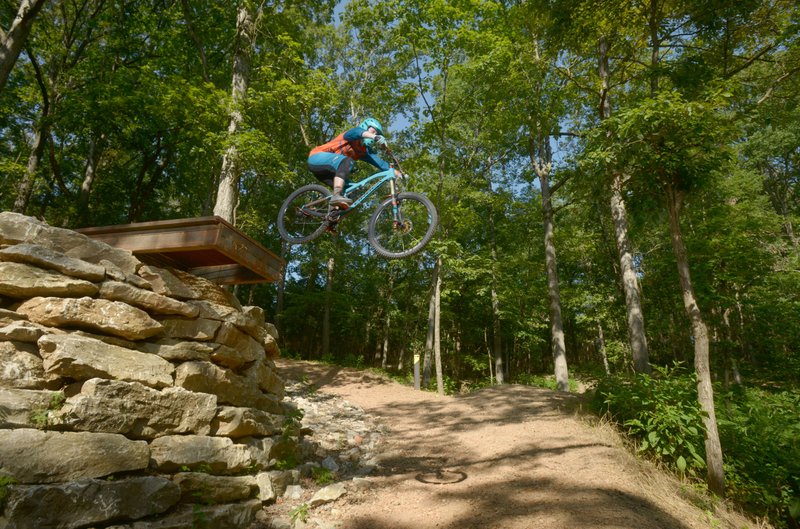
[[506, 457]]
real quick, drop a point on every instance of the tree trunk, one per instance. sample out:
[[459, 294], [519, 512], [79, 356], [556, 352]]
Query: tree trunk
[[25, 187], [489, 355], [89, 177], [326, 319], [543, 165], [705, 391], [281, 288], [195, 38], [388, 326], [499, 368], [11, 43], [630, 284], [437, 340], [228, 190], [385, 345], [431, 336], [601, 346]]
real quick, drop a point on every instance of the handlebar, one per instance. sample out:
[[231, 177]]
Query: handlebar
[[395, 161]]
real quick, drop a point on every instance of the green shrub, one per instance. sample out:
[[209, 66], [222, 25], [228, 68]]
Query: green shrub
[[760, 435], [544, 381], [299, 513], [660, 412], [5, 483], [759, 431], [322, 476]]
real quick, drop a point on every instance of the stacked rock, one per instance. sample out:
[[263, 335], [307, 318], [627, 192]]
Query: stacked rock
[[131, 396]]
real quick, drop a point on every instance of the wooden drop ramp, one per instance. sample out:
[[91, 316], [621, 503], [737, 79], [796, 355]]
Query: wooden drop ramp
[[208, 247]]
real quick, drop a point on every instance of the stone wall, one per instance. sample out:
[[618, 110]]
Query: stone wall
[[130, 396]]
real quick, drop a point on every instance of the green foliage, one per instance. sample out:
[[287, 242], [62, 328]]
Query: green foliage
[[292, 422], [200, 518], [299, 513], [759, 431], [322, 476], [5, 482], [40, 416], [660, 412], [203, 468], [288, 461], [760, 434], [544, 381]]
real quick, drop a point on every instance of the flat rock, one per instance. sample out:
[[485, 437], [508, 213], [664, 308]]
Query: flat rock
[[110, 317], [81, 358], [36, 456], [19, 280], [42, 257]]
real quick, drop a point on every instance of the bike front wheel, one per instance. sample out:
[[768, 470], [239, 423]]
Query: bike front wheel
[[406, 230], [303, 213]]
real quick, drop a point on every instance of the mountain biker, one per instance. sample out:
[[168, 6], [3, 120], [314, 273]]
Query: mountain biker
[[332, 162]]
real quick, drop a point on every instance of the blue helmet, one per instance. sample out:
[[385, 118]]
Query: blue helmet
[[372, 122]]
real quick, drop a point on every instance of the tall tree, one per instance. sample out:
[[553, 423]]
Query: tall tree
[[542, 160], [13, 40], [630, 283], [228, 190], [682, 164]]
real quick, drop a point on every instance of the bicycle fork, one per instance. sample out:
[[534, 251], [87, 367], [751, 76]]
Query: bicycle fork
[[398, 223]]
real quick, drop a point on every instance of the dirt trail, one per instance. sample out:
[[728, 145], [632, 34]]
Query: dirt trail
[[507, 457]]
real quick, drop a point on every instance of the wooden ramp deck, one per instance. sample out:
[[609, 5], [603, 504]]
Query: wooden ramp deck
[[208, 247]]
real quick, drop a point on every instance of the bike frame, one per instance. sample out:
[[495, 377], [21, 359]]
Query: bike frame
[[376, 181]]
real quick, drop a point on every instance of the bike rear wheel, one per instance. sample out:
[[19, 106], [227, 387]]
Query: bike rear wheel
[[416, 222], [303, 213]]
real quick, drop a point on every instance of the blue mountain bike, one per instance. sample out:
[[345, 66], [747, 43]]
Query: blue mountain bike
[[401, 225]]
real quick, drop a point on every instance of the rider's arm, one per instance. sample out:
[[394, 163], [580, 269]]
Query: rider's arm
[[376, 160]]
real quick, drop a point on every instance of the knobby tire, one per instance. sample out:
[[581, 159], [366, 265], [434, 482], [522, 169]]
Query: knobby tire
[[418, 221], [302, 215]]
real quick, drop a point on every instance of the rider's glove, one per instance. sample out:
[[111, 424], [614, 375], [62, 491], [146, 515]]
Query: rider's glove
[[380, 140]]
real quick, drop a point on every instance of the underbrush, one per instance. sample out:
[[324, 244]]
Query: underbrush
[[759, 431]]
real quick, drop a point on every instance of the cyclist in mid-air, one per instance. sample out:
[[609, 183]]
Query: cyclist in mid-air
[[332, 162]]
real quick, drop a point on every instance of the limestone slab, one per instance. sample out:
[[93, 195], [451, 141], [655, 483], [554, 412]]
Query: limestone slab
[[199, 487], [165, 283], [145, 299], [234, 422], [225, 516], [81, 358], [179, 350], [47, 258], [215, 455], [247, 348], [16, 228], [89, 501], [18, 406], [36, 456], [19, 280], [22, 331], [136, 411], [200, 329], [110, 317], [21, 366], [230, 388]]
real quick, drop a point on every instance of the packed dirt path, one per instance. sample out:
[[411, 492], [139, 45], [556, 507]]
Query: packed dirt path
[[506, 457]]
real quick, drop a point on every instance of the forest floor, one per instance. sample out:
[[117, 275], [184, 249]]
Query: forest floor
[[505, 457]]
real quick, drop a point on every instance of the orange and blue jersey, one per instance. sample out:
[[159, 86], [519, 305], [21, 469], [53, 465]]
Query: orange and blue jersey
[[349, 144]]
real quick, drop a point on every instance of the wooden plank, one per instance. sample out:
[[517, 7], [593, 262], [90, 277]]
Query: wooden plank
[[206, 246]]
